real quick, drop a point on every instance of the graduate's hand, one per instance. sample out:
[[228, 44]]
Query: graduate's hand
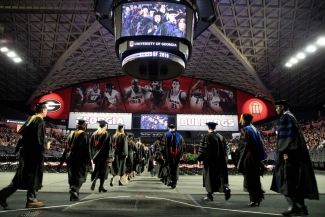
[[285, 157]]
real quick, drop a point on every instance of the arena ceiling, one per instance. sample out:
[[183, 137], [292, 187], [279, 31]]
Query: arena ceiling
[[61, 44]]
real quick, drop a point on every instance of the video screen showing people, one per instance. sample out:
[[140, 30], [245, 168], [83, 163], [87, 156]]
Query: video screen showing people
[[154, 122], [158, 19]]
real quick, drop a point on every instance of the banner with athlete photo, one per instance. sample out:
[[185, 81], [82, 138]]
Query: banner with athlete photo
[[210, 98], [155, 96], [98, 96]]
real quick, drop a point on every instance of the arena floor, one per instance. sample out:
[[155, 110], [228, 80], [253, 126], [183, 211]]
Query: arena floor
[[146, 196]]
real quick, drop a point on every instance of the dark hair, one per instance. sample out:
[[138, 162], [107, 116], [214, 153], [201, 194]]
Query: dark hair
[[212, 127], [248, 117], [175, 80]]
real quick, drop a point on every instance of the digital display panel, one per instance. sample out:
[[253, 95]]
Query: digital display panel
[[190, 122], [154, 122], [156, 19]]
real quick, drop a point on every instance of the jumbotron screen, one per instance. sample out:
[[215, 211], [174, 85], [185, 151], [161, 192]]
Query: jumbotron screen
[[154, 122], [156, 19]]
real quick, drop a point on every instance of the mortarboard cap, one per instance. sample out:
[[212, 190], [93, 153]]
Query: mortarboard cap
[[81, 122], [172, 12], [120, 126], [102, 123], [160, 137], [282, 102], [171, 126], [41, 105], [157, 13], [211, 124], [180, 16]]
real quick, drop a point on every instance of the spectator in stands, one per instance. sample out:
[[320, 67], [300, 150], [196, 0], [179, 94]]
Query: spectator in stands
[[29, 175], [250, 161], [294, 176]]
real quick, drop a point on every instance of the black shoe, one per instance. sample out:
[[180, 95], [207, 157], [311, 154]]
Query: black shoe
[[253, 204], [292, 211], [93, 185], [3, 201], [170, 184], [102, 189], [120, 183], [111, 183], [74, 196], [227, 193], [208, 198], [304, 210], [174, 186]]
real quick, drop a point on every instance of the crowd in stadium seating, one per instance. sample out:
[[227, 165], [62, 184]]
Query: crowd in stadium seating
[[314, 131]]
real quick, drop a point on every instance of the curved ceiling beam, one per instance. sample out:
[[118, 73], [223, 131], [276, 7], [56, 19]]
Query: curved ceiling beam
[[75, 45], [233, 49]]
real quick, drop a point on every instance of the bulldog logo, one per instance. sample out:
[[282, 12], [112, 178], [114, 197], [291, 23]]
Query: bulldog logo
[[52, 105]]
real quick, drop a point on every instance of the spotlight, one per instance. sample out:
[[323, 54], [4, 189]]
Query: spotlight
[[4, 49], [293, 60], [311, 48], [11, 54], [288, 64], [321, 41], [17, 59], [301, 55]]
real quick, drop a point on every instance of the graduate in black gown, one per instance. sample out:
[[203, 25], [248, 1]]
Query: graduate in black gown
[[158, 156], [101, 144], [174, 146], [130, 159], [212, 151], [78, 158], [32, 146], [250, 164], [141, 156], [293, 175], [120, 144], [151, 161]]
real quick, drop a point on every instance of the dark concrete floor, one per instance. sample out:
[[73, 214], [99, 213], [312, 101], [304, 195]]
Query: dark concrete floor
[[146, 196]]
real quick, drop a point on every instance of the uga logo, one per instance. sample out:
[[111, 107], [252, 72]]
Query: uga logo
[[52, 105]]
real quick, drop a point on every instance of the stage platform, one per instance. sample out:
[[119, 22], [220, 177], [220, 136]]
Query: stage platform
[[146, 196]]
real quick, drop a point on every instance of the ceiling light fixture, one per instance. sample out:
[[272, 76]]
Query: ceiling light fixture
[[4, 49], [293, 60], [11, 54], [311, 48], [288, 64], [321, 41], [301, 55], [17, 59]]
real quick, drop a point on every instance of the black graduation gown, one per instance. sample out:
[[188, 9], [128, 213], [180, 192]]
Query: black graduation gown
[[159, 153], [100, 145], [29, 174], [119, 164], [141, 154], [150, 159], [249, 164], [173, 163], [294, 178], [78, 158], [130, 159], [212, 151]]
